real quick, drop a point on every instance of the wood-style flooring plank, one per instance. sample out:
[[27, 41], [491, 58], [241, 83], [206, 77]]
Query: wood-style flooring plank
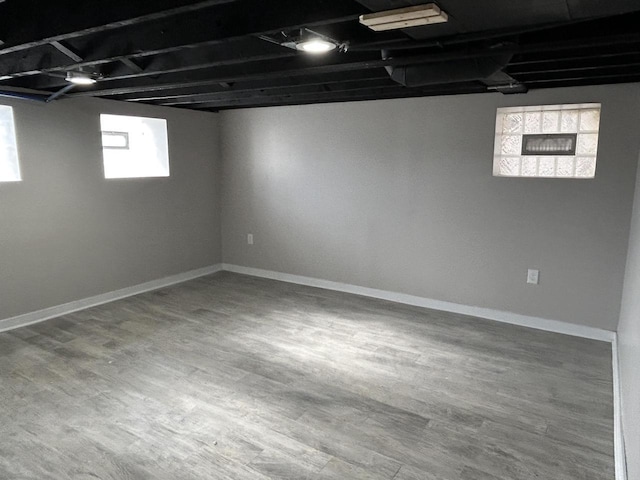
[[235, 377]]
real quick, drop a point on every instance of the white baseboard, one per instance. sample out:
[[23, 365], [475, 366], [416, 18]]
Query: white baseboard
[[491, 314], [487, 313], [618, 437], [52, 312]]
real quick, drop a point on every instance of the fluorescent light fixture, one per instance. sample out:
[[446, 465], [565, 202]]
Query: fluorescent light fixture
[[404, 18], [316, 45], [80, 78]]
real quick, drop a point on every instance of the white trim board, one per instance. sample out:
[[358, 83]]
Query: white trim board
[[482, 312], [620, 460], [497, 315], [59, 310]]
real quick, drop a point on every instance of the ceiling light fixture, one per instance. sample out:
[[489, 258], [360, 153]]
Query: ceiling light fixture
[[307, 41], [404, 18], [316, 45], [80, 78]]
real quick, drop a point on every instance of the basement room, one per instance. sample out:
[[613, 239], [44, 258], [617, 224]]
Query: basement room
[[328, 240]]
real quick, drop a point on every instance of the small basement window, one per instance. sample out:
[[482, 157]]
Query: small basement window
[[134, 147], [550, 141], [9, 164]]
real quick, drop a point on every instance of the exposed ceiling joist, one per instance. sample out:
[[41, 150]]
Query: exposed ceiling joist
[[211, 55], [205, 28], [241, 51], [132, 66], [65, 50], [200, 94], [373, 94], [582, 56], [325, 87], [523, 72], [588, 79], [67, 19], [296, 66], [287, 68], [238, 51]]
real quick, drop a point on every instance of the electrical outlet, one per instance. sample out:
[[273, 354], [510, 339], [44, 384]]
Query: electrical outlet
[[250, 238], [533, 276]]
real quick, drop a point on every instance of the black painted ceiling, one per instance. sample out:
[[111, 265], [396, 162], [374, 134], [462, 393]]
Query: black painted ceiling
[[216, 54]]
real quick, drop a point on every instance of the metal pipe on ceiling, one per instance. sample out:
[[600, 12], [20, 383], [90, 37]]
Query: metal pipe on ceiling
[[23, 96]]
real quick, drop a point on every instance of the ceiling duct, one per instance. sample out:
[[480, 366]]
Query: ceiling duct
[[447, 72]]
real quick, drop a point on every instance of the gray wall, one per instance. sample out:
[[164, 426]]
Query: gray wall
[[399, 195], [396, 195], [67, 233], [629, 345]]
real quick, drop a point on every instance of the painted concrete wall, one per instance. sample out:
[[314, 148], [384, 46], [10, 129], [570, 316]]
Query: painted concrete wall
[[67, 233], [396, 195], [399, 195], [629, 346]]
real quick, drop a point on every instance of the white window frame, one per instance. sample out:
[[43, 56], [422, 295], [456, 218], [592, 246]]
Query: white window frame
[[9, 155], [134, 147], [111, 134]]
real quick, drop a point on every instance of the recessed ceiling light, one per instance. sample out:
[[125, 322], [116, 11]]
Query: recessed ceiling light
[[307, 41], [79, 78], [316, 45]]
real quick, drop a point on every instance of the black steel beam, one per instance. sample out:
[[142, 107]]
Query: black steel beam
[[586, 25], [588, 55], [234, 52], [373, 94], [206, 28], [338, 87], [303, 97], [334, 63], [579, 44], [584, 79], [62, 48], [300, 66], [185, 60], [131, 65], [582, 68], [620, 71], [37, 57], [265, 86], [377, 94], [30, 23], [195, 57]]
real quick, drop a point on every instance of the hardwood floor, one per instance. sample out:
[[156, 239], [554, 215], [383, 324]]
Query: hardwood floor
[[234, 377]]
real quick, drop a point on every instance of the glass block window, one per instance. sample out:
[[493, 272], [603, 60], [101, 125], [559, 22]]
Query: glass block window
[[134, 147], [9, 165], [549, 141]]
